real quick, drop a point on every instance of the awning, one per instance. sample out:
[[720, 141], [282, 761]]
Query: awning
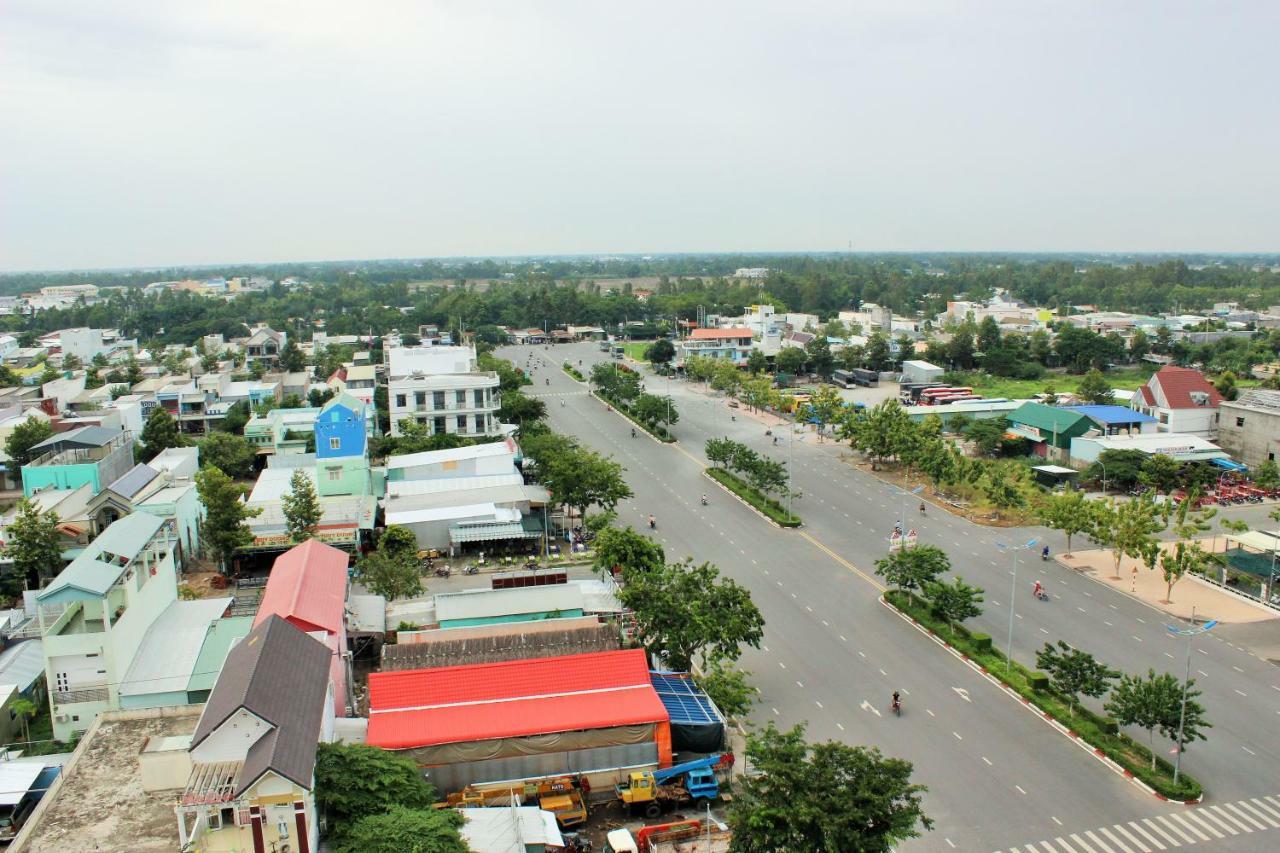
[[490, 532], [1229, 465]]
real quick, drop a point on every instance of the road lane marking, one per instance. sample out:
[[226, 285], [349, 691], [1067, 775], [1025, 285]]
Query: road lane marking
[[1248, 750], [816, 702], [1020, 791], [988, 761], [957, 736], [840, 727], [1136, 638]]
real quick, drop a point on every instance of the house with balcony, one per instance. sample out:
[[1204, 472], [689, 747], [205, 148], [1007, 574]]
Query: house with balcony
[[94, 456], [1181, 400], [95, 614], [442, 388], [264, 344], [252, 757], [734, 344], [284, 431]]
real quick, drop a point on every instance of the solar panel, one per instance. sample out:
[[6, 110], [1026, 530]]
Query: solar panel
[[684, 700]]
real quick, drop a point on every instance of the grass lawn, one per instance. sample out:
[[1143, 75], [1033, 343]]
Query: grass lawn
[[1126, 379], [635, 350]]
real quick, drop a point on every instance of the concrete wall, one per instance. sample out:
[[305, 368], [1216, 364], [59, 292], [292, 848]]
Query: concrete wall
[[1253, 441]]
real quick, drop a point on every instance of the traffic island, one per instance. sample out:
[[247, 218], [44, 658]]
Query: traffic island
[[655, 431], [1097, 733], [574, 372], [761, 503]]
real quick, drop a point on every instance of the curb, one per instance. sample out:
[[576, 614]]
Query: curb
[[1042, 715], [571, 376], [742, 501]]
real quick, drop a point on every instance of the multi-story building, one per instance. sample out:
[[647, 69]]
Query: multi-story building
[[1181, 400], [293, 430], [264, 344], [1249, 427], [734, 344], [96, 456], [442, 388]]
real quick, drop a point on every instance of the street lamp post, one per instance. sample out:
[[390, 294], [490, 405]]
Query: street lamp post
[[1189, 633], [902, 517], [1104, 476], [1013, 592]]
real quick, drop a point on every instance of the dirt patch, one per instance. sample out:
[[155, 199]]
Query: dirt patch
[[206, 584], [898, 477]]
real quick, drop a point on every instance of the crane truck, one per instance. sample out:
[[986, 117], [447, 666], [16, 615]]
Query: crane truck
[[700, 835], [649, 792]]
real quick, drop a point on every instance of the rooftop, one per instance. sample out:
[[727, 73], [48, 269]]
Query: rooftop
[[1178, 384], [1111, 415], [166, 659], [454, 454], [308, 586], [456, 704], [22, 664], [105, 559], [98, 803], [720, 334]]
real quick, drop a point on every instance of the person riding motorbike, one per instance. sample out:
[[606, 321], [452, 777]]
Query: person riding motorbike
[[653, 523], [704, 500], [897, 703], [922, 507], [1044, 553], [1038, 590], [633, 432]]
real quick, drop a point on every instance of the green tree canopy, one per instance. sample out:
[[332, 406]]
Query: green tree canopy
[[626, 550], [1155, 702], [25, 436], [955, 601], [1074, 673], [301, 507], [225, 528], [1069, 511], [354, 780], [660, 351], [827, 796], [1094, 388], [227, 452], [403, 830], [913, 568], [159, 433], [33, 542]]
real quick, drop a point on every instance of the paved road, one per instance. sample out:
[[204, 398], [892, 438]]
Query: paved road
[[832, 653]]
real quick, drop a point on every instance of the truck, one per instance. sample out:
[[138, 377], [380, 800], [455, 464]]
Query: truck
[[650, 792], [561, 795], [700, 835]]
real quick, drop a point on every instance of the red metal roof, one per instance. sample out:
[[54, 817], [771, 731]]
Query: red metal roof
[[511, 699], [718, 334], [308, 586], [1177, 383]]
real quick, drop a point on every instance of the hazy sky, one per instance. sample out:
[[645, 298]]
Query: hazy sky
[[148, 133]]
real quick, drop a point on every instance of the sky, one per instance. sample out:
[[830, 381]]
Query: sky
[[155, 133]]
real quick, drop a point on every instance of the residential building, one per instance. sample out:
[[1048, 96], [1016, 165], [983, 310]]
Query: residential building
[[1049, 429], [307, 587], [82, 343], [360, 381], [442, 388], [1181, 400], [282, 431], [477, 460], [252, 757], [89, 455], [264, 344], [920, 371], [95, 614], [71, 291], [733, 344], [1249, 427]]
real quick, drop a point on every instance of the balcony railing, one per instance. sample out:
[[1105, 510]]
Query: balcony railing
[[84, 694]]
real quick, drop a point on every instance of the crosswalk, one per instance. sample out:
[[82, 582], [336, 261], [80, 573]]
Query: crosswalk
[[1183, 828]]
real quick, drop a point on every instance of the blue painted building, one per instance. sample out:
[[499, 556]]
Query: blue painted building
[[342, 448]]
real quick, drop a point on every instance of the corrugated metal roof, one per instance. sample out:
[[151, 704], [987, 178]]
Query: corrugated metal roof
[[308, 585], [167, 655], [511, 699], [134, 480], [89, 436], [126, 537], [401, 488], [685, 701], [1113, 414], [16, 779], [489, 603], [22, 663], [447, 513], [453, 454]]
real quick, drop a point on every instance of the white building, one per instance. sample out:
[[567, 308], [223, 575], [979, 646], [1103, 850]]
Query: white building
[[82, 343], [1182, 400], [442, 388]]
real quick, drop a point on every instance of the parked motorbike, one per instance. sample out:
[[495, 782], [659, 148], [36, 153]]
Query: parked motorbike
[[471, 570], [443, 572]]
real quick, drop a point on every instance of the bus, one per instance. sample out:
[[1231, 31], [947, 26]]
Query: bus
[[856, 377], [931, 395]]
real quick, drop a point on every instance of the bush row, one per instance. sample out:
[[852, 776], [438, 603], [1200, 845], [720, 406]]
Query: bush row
[[770, 507]]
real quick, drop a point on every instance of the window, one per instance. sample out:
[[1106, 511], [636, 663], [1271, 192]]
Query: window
[[335, 444], [462, 423], [420, 399], [400, 401], [228, 816], [479, 396], [437, 399], [460, 398], [335, 474], [1239, 422], [439, 427]]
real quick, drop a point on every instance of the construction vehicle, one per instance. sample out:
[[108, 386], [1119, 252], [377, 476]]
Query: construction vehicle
[[561, 795], [651, 791], [682, 836]]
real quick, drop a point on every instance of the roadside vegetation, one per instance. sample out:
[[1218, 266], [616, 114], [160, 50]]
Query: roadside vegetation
[[621, 387], [757, 479], [574, 372]]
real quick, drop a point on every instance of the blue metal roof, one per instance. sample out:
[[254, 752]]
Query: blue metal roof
[[684, 700], [1111, 415]]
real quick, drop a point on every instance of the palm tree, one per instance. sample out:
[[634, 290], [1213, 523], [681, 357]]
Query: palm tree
[[24, 709]]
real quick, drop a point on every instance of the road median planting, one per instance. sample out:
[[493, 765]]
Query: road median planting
[[574, 372], [657, 431], [1097, 731], [771, 508]]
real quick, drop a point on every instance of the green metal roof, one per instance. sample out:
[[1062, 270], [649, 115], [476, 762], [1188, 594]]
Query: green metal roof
[[1049, 419], [223, 634]]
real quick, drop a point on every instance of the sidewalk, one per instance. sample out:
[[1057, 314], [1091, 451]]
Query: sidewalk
[[1148, 585]]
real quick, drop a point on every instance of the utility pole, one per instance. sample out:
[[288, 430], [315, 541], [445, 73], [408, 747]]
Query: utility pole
[[1189, 633], [1013, 590]]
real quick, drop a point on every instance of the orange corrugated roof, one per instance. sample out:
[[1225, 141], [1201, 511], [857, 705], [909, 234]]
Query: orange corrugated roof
[[308, 586], [716, 334], [511, 699]]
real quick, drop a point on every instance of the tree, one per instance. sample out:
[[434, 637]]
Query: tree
[[291, 357], [1226, 385], [159, 433], [683, 611], [236, 418], [758, 391], [354, 780], [825, 406], [390, 577], [580, 478], [227, 452], [728, 688], [1128, 528], [987, 434], [224, 529], [72, 362], [818, 356], [720, 450], [660, 351], [1161, 472], [756, 362], [653, 409], [1183, 558], [317, 397], [913, 568], [876, 355], [955, 601], [625, 550], [988, 335], [398, 542], [34, 543], [301, 507], [1155, 701], [1095, 389], [1267, 475], [827, 796], [1074, 673], [881, 432], [25, 436], [1122, 469], [403, 830], [24, 709], [1069, 511], [790, 360]]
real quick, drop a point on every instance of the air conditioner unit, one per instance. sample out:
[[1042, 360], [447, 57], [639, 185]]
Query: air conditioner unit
[[60, 718]]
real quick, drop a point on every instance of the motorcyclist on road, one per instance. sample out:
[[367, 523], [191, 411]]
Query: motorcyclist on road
[[653, 523], [633, 432], [922, 507], [704, 500], [1044, 554], [1038, 590], [897, 702]]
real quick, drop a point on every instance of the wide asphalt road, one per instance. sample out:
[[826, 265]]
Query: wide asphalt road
[[832, 654]]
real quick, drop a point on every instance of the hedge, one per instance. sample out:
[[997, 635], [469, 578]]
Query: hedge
[[770, 507], [1097, 730], [573, 371], [658, 431]]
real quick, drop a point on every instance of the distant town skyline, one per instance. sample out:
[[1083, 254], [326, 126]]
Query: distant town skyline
[[144, 134]]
